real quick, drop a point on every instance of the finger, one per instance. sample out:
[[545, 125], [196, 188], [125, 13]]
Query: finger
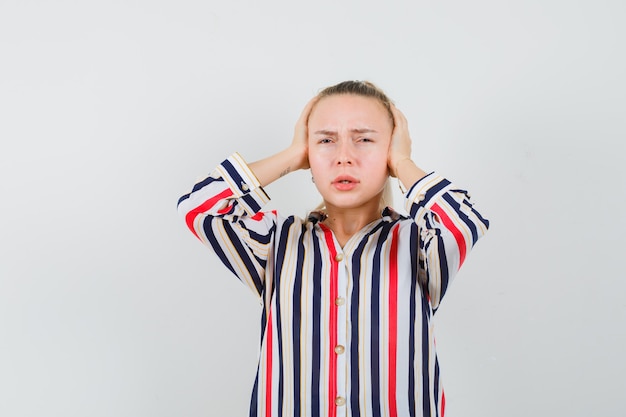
[[398, 117], [304, 116], [301, 128]]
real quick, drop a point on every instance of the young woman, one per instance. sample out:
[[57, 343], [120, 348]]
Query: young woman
[[349, 293]]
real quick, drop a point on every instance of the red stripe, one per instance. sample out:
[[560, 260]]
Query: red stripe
[[258, 216], [443, 403], [332, 371], [225, 209], [190, 218], [449, 224], [268, 368], [393, 322]]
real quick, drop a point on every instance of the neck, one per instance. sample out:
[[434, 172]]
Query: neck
[[345, 223]]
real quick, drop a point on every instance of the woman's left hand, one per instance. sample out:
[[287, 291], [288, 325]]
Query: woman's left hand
[[400, 146]]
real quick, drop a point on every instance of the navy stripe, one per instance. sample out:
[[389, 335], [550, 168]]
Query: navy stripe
[[317, 314], [375, 322], [412, 316], [255, 396], [481, 218], [215, 244], [205, 182], [436, 386], [421, 179], [457, 207], [413, 211], [443, 266], [263, 324], [278, 273], [353, 302], [262, 262], [296, 328], [245, 257], [199, 186], [183, 198], [429, 195], [257, 237], [425, 357], [234, 174], [354, 335], [435, 189], [251, 202]]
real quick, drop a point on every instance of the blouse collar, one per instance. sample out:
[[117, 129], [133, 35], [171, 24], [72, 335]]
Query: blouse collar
[[319, 215]]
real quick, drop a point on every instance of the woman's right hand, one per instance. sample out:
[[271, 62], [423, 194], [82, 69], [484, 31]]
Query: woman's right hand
[[293, 158], [299, 145]]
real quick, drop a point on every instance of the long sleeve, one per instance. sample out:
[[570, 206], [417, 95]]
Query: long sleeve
[[224, 212], [447, 226]]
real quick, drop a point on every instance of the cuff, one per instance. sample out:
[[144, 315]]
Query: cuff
[[244, 184], [424, 193]]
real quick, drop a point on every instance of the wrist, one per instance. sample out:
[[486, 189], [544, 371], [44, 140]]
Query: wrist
[[397, 165], [297, 157]]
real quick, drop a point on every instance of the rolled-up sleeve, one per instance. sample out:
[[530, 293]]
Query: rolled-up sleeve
[[448, 228], [224, 212]]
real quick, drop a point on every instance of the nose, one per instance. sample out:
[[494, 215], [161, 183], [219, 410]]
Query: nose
[[344, 154]]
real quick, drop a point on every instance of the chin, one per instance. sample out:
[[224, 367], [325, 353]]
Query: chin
[[351, 203]]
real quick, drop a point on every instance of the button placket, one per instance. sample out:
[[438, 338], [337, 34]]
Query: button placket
[[340, 347]]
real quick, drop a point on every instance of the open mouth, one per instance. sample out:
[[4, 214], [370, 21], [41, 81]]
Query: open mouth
[[345, 179], [345, 183]]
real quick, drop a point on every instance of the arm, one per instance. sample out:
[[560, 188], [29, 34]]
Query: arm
[[224, 210], [293, 158], [447, 228], [447, 225]]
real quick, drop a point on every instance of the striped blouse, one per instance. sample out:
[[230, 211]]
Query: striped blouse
[[345, 331]]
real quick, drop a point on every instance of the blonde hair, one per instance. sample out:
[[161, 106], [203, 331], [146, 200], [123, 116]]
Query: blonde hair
[[359, 88], [363, 89]]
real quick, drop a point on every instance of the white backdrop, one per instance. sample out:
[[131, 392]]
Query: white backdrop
[[110, 110]]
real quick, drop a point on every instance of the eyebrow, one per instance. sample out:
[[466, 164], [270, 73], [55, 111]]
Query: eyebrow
[[333, 132]]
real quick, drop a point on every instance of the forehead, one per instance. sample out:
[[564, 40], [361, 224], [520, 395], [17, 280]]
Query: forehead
[[348, 109]]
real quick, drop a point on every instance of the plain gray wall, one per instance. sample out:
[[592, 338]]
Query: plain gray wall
[[109, 111]]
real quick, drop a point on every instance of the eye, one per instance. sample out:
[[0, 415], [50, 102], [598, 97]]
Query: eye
[[325, 140], [365, 140]]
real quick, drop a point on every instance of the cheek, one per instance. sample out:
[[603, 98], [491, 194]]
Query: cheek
[[315, 160], [378, 158]]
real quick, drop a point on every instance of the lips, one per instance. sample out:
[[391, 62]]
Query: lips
[[345, 182], [344, 179]]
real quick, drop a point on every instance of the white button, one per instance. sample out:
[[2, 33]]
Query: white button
[[244, 187], [421, 196], [339, 257], [340, 301], [339, 349], [339, 401]]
